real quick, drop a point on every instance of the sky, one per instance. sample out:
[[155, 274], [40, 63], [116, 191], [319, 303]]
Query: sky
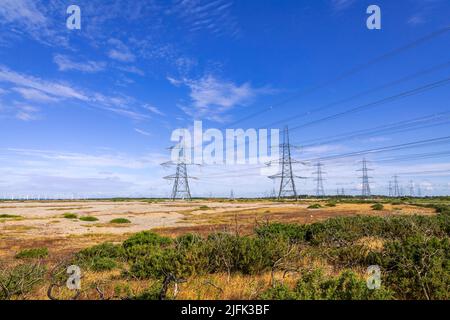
[[90, 112]]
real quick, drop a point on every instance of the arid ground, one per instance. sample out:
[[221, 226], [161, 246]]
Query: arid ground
[[43, 224]]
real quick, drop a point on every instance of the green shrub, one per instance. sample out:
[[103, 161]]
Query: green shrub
[[315, 206], [417, 267], [146, 238], [88, 218], [204, 208], [34, 253], [9, 216], [102, 264], [120, 220], [279, 292], [20, 280], [331, 204], [377, 206], [70, 216], [294, 232], [313, 285], [104, 250]]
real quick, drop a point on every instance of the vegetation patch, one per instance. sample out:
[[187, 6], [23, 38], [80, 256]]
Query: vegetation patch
[[70, 216], [120, 220], [34, 253], [88, 218], [315, 206], [9, 216], [377, 207]]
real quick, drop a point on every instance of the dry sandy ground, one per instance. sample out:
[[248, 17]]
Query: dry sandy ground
[[42, 223]]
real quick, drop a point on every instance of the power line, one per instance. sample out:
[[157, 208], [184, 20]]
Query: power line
[[350, 72]]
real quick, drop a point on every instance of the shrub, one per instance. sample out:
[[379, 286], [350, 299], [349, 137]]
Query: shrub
[[204, 208], [315, 206], [33, 253], [313, 285], [120, 220], [88, 218], [104, 250], [8, 216], [102, 264], [146, 238], [20, 280], [331, 204], [70, 216], [377, 206], [279, 292], [294, 232], [417, 267]]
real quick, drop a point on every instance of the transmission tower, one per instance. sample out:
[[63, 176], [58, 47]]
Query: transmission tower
[[396, 191], [411, 188], [319, 179], [180, 189], [365, 179], [419, 191], [390, 188], [287, 184], [231, 194]]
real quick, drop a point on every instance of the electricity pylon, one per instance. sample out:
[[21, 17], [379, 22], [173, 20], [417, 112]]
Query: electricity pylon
[[411, 188], [396, 191], [319, 180], [365, 179], [287, 184], [390, 188], [231, 194], [180, 189]]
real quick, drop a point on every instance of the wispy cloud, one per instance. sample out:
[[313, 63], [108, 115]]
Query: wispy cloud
[[143, 132], [39, 90], [120, 51], [154, 110], [211, 97], [341, 4], [65, 63], [214, 17]]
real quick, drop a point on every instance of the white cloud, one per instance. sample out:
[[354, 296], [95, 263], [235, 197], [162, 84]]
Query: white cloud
[[154, 110], [50, 88], [66, 64], [35, 95], [26, 113], [416, 20], [342, 4], [132, 69], [36, 89], [144, 133], [212, 97], [120, 51]]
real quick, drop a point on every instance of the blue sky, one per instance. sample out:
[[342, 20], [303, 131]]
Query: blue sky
[[90, 112]]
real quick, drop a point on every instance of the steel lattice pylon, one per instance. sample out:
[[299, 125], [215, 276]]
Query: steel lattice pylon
[[287, 183], [180, 189], [365, 179], [319, 180]]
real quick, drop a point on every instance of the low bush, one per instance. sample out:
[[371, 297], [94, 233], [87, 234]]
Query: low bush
[[315, 206], [88, 218], [102, 264], [33, 253], [70, 216], [20, 280], [9, 216], [313, 285], [120, 220], [377, 206]]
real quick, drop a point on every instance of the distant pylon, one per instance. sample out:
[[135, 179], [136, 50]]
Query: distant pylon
[[287, 184], [232, 195], [411, 188], [365, 179], [419, 191], [180, 189], [342, 192], [390, 188], [396, 191], [319, 179]]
